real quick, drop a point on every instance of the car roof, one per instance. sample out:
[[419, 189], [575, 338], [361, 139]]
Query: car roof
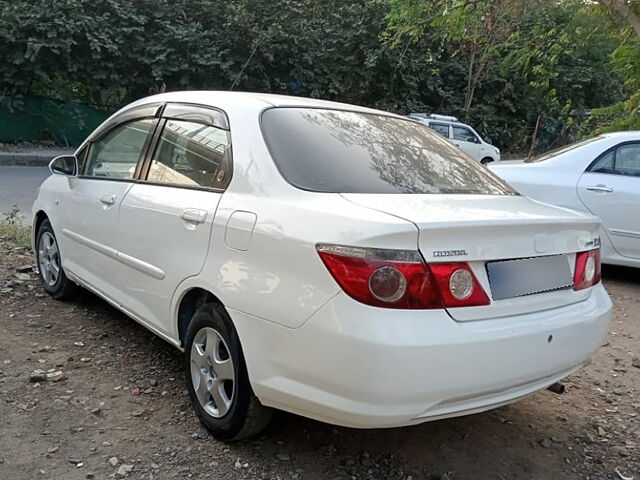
[[227, 101], [456, 123], [627, 135]]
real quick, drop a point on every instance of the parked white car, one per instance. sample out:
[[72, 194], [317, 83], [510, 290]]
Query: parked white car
[[600, 175], [461, 135], [337, 262]]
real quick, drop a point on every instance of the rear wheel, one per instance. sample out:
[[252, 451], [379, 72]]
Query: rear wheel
[[217, 379], [486, 160], [51, 273]]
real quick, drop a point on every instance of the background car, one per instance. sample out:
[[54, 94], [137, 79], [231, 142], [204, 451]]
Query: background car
[[461, 135], [600, 175]]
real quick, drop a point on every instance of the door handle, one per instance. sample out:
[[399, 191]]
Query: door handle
[[600, 188], [194, 215], [108, 199]]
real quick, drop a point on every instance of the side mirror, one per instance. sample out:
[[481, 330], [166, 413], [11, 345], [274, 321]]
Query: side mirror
[[64, 165]]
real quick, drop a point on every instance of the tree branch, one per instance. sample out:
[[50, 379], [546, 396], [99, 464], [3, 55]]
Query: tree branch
[[624, 10]]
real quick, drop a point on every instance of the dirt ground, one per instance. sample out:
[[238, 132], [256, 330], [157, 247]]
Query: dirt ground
[[120, 409]]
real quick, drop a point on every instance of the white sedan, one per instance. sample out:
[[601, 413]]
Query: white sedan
[[334, 261], [601, 176]]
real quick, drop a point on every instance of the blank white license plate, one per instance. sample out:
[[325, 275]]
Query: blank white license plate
[[526, 276]]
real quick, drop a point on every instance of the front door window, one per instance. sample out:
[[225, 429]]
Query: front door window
[[116, 154]]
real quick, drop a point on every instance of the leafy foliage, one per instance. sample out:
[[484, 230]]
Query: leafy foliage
[[505, 65]]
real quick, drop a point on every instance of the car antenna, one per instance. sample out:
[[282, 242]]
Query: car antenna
[[253, 51]]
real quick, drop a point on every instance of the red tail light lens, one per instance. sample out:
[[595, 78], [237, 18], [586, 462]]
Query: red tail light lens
[[400, 279], [588, 270], [458, 284]]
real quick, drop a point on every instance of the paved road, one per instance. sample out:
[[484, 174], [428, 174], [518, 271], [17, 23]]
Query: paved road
[[18, 187]]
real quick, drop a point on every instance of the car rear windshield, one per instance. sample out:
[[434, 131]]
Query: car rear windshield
[[562, 150], [352, 152]]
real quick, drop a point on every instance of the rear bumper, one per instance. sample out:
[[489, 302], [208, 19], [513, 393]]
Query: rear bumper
[[360, 366]]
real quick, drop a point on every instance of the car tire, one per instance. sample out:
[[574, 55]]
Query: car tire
[[217, 379], [486, 160], [49, 261]]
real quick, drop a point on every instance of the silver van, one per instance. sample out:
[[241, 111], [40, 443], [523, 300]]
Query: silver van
[[462, 135]]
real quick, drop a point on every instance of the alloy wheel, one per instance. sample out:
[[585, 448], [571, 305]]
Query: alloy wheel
[[212, 372], [49, 259]]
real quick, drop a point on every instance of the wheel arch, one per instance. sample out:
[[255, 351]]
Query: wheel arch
[[38, 219], [189, 301]]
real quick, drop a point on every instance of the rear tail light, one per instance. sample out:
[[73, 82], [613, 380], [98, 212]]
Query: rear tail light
[[400, 278], [458, 285], [587, 272]]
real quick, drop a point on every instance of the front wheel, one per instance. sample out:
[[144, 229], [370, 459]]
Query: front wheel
[[50, 270], [217, 379], [486, 160]]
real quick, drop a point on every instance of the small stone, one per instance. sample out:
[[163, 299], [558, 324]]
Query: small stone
[[38, 376], [56, 376], [124, 470], [619, 450], [602, 432], [545, 442], [53, 449], [237, 465], [113, 461], [200, 436], [635, 361], [25, 277], [79, 344], [90, 475], [283, 457], [135, 391], [153, 382], [77, 462]]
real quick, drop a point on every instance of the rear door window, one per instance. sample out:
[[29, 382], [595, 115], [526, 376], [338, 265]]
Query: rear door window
[[191, 154], [623, 160], [605, 163], [353, 152], [628, 160]]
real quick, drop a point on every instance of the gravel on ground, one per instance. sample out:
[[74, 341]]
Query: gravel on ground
[[86, 392]]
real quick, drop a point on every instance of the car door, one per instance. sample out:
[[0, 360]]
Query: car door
[[468, 141], [107, 170], [165, 219], [610, 189]]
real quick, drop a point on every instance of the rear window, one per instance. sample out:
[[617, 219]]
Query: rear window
[[562, 150], [338, 151]]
